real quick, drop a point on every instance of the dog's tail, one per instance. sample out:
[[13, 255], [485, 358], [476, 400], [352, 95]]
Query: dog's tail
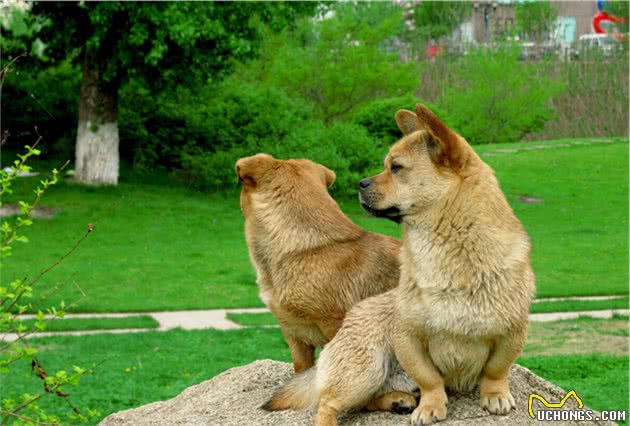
[[298, 393]]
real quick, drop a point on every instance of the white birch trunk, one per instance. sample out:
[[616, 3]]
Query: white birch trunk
[[96, 159], [96, 154]]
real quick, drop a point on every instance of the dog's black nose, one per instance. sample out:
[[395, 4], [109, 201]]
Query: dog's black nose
[[364, 183]]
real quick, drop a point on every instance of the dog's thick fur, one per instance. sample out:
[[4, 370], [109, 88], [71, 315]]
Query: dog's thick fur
[[312, 263], [459, 315]]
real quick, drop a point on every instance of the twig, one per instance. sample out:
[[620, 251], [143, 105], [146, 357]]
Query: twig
[[19, 166], [28, 212], [4, 71], [5, 137], [61, 259], [41, 105], [47, 391], [20, 338], [90, 228], [27, 419], [56, 289], [77, 302]]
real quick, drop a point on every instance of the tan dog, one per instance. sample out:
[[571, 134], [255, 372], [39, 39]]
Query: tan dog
[[459, 315], [312, 263]]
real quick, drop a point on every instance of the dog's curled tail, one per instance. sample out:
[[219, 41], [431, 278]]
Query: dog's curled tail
[[298, 393]]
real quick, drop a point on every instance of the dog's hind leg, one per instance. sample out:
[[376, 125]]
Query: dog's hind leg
[[396, 402], [344, 387], [327, 411], [302, 354]]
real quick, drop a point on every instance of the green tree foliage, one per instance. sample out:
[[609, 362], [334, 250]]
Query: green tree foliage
[[496, 98], [435, 19], [166, 43], [342, 59], [535, 19], [336, 73], [620, 9], [19, 29], [240, 115], [345, 148], [44, 99], [377, 117]]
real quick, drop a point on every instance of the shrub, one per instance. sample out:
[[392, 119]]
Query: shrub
[[208, 118], [19, 355], [345, 148], [494, 97], [338, 62], [211, 170], [46, 100], [378, 116]]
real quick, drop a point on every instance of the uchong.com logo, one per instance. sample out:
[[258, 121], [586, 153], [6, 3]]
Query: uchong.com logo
[[554, 412]]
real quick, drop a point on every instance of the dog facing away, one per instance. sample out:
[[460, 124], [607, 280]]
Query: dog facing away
[[460, 314], [312, 262]]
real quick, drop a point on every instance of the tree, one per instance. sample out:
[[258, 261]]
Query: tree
[[166, 43], [495, 97], [433, 19], [535, 19], [619, 9], [344, 58]]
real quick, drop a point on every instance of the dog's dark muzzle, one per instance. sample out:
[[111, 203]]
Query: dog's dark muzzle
[[367, 198], [391, 213]]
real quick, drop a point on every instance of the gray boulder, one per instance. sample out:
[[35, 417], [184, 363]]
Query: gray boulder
[[234, 397]]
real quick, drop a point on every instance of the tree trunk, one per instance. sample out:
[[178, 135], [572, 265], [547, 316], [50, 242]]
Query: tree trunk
[[97, 137]]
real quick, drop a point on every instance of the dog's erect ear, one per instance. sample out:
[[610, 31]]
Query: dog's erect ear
[[329, 175], [407, 121], [443, 144], [249, 168]]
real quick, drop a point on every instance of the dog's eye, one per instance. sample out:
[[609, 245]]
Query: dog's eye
[[395, 167]]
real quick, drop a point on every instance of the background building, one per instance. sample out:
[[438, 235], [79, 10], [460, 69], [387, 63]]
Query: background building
[[496, 18]]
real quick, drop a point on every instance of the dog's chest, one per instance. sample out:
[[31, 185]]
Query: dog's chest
[[460, 360], [456, 314]]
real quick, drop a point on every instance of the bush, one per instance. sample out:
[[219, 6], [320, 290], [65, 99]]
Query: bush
[[345, 148], [378, 116], [47, 100], [211, 170], [213, 119], [18, 356], [338, 63], [494, 97]]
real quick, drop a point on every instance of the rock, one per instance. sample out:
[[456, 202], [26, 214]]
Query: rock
[[234, 397]]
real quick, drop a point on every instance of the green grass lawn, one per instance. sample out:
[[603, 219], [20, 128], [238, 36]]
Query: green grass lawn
[[165, 247], [145, 367], [253, 320], [579, 234], [77, 324], [601, 381]]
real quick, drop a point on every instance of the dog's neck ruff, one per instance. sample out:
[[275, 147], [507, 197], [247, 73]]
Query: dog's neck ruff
[[455, 244], [298, 227]]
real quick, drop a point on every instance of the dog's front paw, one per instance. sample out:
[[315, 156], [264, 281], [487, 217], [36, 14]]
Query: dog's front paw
[[431, 409], [498, 404]]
